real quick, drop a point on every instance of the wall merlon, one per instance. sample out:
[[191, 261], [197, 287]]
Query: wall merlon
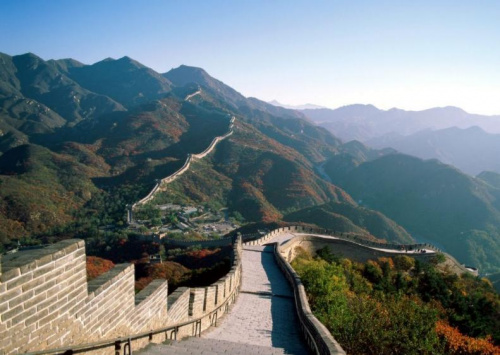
[[33, 301], [100, 283], [23, 315], [12, 313], [50, 300], [156, 288], [18, 281], [20, 299], [45, 286], [49, 303], [43, 270]]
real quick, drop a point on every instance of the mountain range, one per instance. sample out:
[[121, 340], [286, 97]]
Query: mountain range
[[472, 150], [365, 122], [78, 142], [467, 141], [433, 201], [296, 107]]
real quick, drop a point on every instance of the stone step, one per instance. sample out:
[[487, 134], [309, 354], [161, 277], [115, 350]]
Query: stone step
[[196, 346], [225, 344]]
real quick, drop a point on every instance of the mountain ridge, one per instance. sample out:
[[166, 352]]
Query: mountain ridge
[[270, 168], [471, 149], [364, 122]]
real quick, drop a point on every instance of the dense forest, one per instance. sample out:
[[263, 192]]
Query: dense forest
[[401, 306], [190, 267]]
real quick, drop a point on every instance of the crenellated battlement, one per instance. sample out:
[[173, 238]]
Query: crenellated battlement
[[46, 301]]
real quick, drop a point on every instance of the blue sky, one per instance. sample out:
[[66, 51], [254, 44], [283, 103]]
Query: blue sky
[[406, 54]]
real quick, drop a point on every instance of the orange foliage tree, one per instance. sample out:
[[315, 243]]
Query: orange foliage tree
[[97, 266], [458, 343]]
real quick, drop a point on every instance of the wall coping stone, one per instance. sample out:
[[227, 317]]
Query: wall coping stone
[[174, 296], [19, 263], [318, 337], [101, 282], [150, 290]]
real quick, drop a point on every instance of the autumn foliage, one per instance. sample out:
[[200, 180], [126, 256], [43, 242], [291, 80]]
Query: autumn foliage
[[97, 266], [400, 306], [174, 272], [458, 343]]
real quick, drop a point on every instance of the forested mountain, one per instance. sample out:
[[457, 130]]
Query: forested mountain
[[85, 163], [79, 142], [364, 122], [433, 201], [346, 218], [472, 150]]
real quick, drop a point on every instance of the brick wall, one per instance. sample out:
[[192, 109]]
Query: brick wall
[[46, 301], [344, 248], [40, 292], [161, 184]]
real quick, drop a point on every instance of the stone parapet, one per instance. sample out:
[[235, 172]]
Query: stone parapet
[[318, 338], [181, 171], [46, 303]]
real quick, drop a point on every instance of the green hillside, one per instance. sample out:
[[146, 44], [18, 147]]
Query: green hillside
[[96, 137], [131, 135], [349, 218], [434, 202]]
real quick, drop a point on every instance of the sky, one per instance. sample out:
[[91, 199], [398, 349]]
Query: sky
[[412, 55]]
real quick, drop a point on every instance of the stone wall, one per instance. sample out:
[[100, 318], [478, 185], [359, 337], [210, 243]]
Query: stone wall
[[46, 302], [161, 183], [318, 338], [343, 248], [354, 246]]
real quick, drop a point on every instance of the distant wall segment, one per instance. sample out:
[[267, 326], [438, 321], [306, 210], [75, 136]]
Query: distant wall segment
[[167, 180], [46, 302]]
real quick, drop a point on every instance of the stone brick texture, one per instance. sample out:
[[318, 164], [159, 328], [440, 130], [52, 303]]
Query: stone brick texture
[[46, 302]]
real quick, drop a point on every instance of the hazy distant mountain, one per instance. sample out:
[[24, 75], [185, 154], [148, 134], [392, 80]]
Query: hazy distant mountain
[[185, 75], [431, 200], [472, 150], [365, 122], [296, 107], [491, 178]]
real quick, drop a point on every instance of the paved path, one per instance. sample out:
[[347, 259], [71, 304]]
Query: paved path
[[262, 321], [264, 313], [197, 346]]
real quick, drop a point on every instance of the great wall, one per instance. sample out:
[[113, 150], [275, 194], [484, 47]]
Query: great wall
[[47, 306], [167, 180]]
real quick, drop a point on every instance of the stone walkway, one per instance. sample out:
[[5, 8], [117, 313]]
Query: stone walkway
[[262, 321], [197, 346], [264, 313]]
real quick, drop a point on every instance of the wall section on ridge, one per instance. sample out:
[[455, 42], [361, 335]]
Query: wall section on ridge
[[191, 157]]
